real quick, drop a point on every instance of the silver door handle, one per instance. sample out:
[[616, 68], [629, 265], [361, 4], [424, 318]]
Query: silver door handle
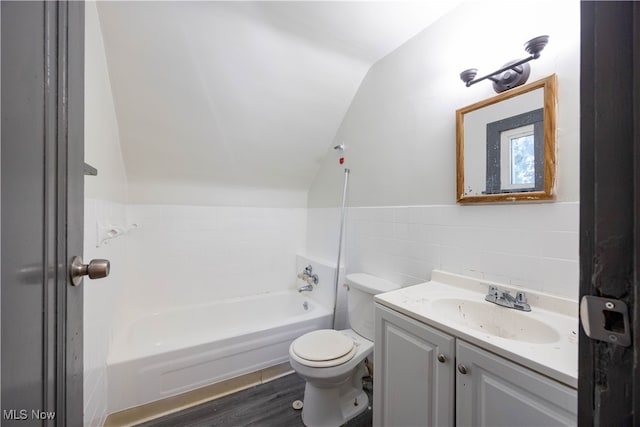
[[96, 269]]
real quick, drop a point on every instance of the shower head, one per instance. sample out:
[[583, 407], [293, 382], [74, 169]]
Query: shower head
[[339, 147]]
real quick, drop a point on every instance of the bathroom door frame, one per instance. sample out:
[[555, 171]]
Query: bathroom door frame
[[609, 374], [42, 211]]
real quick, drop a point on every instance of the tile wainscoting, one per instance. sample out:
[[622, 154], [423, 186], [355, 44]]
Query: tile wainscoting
[[529, 245]]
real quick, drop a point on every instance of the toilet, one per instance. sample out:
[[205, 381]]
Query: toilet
[[332, 362]]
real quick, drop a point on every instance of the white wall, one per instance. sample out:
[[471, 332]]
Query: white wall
[[400, 138], [185, 255], [189, 193], [217, 94], [102, 138], [400, 128], [105, 196]]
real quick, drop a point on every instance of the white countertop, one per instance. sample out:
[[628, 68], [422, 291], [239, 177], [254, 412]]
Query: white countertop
[[544, 339]]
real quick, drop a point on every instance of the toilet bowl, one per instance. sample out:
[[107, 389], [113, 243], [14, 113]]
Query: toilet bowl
[[332, 362]]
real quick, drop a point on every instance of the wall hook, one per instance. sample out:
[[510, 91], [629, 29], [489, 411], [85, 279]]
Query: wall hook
[[107, 232]]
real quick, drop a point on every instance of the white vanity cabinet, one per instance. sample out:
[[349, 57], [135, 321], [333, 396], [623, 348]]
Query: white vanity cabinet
[[492, 391], [414, 373], [421, 375]]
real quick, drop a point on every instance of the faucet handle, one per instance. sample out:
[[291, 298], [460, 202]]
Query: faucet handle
[[521, 297], [492, 294]]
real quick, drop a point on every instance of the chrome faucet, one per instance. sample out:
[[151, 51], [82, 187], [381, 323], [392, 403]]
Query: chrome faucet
[[308, 276], [306, 288], [505, 299]]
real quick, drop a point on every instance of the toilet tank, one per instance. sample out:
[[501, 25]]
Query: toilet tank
[[362, 288]]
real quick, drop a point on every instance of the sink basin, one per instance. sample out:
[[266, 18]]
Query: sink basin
[[492, 319]]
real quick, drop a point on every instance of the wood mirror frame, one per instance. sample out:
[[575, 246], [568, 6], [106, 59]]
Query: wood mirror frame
[[549, 86]]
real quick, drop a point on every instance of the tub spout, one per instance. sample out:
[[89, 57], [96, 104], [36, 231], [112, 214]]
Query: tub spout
[[305, 288]]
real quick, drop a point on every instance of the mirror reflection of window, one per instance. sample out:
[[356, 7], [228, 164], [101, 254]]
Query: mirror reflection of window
[[517, 158], [515, 153], [522, 160]]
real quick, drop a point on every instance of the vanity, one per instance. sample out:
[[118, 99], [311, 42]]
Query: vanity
[[447, 354]]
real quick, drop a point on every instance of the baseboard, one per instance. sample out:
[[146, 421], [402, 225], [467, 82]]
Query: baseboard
[[159, 408]]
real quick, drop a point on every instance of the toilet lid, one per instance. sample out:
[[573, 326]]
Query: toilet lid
[[324, 345]]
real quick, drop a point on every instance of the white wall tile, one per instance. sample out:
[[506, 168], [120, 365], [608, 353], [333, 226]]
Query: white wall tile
[[527, 245], [401, 230], [416, 214], [560, 277], [401, 214], [101, 299], [212, 253], [561, 244], [94, 410], [382, 214]]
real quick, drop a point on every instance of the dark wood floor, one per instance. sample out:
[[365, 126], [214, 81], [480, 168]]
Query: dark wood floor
[[263, 405]]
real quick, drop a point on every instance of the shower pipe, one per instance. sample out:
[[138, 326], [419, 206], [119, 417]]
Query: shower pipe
[[342, 212]]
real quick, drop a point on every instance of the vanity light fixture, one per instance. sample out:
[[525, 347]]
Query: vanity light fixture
[[513, 73]]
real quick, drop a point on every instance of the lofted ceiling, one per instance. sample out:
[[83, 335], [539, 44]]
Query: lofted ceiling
[[243, 93]]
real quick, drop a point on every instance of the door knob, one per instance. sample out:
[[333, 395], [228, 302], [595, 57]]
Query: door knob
[[462, 369], [96, 269]]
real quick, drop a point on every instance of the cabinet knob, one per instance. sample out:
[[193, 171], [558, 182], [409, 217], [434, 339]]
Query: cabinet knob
[[462, 369], [442, 358]]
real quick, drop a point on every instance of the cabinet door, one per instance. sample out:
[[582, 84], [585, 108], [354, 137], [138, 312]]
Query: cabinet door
[[497, 392], [411, 386]]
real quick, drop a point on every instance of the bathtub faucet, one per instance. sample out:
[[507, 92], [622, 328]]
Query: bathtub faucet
[[308, 276], [306, 288]]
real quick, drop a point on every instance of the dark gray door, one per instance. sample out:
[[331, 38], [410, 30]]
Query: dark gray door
[[609, 373], [42, 48]]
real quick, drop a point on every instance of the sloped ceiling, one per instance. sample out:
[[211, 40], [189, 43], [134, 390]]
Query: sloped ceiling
[[243, 93]]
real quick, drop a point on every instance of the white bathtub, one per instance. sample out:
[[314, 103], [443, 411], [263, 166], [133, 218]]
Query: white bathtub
[[169, 353]]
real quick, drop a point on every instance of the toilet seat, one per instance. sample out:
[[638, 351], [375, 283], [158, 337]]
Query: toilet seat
[[323, 348]]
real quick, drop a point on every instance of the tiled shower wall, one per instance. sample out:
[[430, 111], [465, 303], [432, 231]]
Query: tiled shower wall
[[529, 245], [185, 255], [101, 298]]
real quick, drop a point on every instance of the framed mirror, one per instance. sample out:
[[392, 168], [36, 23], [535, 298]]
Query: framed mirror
[[506, 146]]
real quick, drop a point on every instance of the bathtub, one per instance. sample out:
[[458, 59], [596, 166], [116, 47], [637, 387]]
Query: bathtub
[[176, 351]]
